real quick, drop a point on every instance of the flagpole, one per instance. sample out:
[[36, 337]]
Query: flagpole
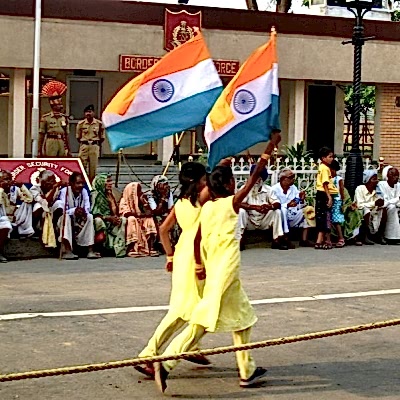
[[36, 80], [179, 138]]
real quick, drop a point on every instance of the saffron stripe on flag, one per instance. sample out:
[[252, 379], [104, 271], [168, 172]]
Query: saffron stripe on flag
[[179, 59]]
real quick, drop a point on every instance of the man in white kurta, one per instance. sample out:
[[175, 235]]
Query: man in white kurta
[[292, 205], [46, 210], [10, 215], [371, 205], [261, 210], [78, 226], [389, 189]]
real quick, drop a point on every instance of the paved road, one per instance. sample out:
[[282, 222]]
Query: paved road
[[359, 366]]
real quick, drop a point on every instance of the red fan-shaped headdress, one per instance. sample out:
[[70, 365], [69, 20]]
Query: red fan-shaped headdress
[[54, 89]]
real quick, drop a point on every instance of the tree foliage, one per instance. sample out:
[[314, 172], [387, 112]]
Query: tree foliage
[[396, 15], [367, 100]]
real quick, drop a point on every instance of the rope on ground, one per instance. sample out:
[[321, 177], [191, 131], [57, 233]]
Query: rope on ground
[[218, 350]]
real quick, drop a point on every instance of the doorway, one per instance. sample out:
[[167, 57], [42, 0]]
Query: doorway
[[82, 91], [321, 117]]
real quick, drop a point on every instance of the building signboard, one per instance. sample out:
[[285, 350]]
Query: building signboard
[[136, 63]]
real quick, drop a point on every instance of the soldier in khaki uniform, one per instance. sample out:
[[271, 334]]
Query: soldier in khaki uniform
[[54, 130], [90, 135]]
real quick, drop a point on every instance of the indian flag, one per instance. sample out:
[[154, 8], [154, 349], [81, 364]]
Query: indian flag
[[173, 95], [248, 109]]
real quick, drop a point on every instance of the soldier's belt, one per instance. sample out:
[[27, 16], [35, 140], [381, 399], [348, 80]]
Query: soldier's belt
[[90, 142], [50, 136]]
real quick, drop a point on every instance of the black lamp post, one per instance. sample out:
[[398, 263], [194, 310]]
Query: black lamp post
[[354, 165]]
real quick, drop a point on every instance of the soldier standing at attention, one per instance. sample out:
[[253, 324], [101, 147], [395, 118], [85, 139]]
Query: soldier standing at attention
[[90, 135], [53, 131]]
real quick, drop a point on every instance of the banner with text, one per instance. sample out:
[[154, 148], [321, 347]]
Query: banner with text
[[27, 170]]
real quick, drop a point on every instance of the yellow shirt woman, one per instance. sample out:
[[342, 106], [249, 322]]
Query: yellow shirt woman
[[225, 306]]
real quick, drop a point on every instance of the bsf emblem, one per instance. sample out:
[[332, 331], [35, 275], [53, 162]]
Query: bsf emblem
[[179, 27]]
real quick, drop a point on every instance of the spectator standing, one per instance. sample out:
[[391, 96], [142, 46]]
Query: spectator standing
[[337, 216], [323, 200]]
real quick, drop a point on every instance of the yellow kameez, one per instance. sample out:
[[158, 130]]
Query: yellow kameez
[[225, 306], [186, 288]]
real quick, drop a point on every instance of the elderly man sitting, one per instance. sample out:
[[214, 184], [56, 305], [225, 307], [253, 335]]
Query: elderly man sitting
[[389, 190], [372, 207], [46, 209], [10, 215], [78, 226], [261, 210], [293, 207]]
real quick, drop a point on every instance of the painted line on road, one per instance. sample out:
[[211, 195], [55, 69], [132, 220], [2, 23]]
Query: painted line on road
[[7, 317]]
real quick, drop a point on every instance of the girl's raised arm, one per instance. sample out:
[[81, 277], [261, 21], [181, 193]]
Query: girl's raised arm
[[241, 194]]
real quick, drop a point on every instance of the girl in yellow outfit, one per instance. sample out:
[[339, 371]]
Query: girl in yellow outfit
[[186, 284], [224, 306]]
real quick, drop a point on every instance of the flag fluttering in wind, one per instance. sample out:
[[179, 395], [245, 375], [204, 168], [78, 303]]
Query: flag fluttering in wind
[[248, 109], [173, 95]]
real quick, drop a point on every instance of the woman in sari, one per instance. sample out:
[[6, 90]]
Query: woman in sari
[[161, 200], [109, 226], [141, 229], [352, 220]]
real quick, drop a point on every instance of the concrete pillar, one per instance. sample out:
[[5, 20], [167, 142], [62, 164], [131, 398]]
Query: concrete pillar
[[299, 93], [377, 122], [167, 148], [339, 121], [16, 114], [296, 113], [159, 150]]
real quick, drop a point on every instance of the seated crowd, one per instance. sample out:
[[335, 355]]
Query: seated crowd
[[373, 216], [281, 207], [102, 222], [64, 214]]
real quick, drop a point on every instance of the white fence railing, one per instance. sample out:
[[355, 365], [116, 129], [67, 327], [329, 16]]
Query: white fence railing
[[305, 171]]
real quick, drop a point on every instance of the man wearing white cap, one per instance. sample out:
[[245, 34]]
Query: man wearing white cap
[[261, 210], [372, 207], [293, 206]]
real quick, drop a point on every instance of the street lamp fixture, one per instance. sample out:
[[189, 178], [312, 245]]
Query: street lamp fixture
[[354, 164]]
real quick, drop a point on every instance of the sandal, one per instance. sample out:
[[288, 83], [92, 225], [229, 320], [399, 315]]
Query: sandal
[[135, 254], [340, 243], [154, 253], [327, 246], [319, 246]]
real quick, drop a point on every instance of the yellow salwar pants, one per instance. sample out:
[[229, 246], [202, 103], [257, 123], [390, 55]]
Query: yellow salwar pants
[[169, 325], [191, 335], [166, 328]]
